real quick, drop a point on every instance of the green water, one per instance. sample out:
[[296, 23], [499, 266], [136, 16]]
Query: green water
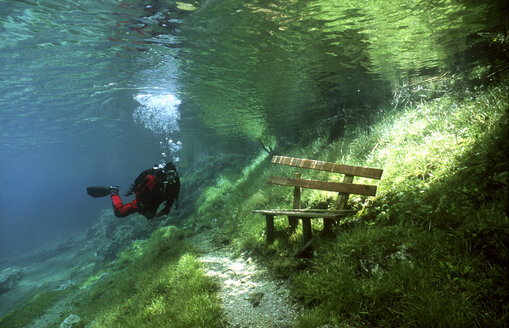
[[241, 69], [274, 68], [92, 92]]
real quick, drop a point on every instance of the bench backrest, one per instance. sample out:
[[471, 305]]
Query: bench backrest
[[344, 188]]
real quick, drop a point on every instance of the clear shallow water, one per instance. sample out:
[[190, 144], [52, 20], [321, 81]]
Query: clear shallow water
[[92, 92]]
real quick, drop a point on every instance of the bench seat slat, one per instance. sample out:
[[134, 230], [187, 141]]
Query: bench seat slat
[[305, 210], [313, 210], [305, 214], [347, 188], [358, 171]]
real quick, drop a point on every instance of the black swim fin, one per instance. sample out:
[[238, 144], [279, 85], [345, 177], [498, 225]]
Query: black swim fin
[[98, 192]]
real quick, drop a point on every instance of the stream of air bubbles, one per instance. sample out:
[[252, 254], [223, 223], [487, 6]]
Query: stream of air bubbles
[[160, 114]]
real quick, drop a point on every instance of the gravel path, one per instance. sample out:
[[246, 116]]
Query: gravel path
[[250, 295]]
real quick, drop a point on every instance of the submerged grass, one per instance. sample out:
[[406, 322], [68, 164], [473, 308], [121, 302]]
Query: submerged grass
[[430, 250], [157, 282], [32, 309], [175, 295]]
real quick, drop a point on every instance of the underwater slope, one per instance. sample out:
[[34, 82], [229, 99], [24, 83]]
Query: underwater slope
[[429, 250]]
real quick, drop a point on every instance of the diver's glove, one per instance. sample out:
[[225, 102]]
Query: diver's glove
[[130, 191], [113, 190]]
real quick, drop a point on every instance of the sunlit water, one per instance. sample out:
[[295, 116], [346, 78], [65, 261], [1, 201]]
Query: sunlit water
[[92, 92]]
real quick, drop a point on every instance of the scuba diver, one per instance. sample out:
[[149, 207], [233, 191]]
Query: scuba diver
[[151, 188]]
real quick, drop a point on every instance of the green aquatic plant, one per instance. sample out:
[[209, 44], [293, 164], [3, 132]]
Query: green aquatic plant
[[32, 309], [155, 282], [92, 279], [215, 197], [177, 295], [430, 248], [445, 163]]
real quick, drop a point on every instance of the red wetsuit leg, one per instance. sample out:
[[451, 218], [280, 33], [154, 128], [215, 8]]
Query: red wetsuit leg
[[121, 210]]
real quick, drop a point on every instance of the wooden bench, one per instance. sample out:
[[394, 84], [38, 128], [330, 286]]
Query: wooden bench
[[329, 216]]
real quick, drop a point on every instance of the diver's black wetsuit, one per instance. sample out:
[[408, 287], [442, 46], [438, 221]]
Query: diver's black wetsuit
[[151, 189]]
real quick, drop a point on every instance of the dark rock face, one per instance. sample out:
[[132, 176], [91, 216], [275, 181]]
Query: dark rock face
[[9, 278]]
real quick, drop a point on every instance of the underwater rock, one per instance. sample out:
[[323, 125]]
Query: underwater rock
[[110, 235], [255, 298], [9, 278], [64, 285], [70, 321]]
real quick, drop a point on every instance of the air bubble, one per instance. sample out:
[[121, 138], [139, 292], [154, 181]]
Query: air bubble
[[158, 113]]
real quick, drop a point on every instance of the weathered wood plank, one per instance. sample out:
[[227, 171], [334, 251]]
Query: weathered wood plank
[[293, 221], [300, 214], [327, 226], [312, 210], [269, 226], [343, 197], [306, 229], [359, 171], [347, 188], [341, 202]]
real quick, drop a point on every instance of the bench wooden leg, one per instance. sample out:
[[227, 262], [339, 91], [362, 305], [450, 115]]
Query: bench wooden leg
[[306, 229], [293, 222], [269, 219], [327, 226]]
